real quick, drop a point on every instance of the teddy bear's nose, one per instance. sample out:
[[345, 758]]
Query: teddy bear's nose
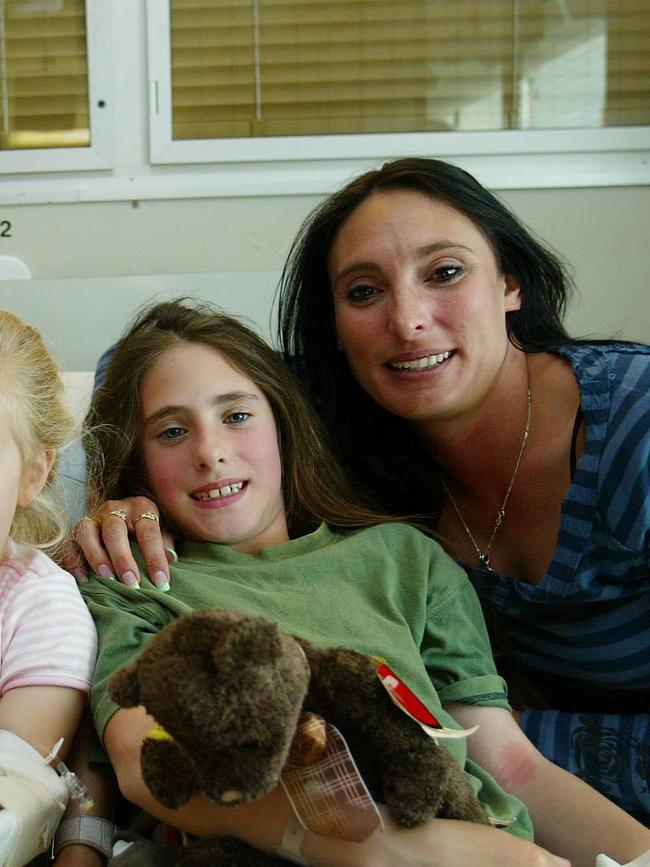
[[230, 796]]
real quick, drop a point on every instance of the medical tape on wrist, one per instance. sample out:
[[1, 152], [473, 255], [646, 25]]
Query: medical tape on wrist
[[33, 798], [291, 842]]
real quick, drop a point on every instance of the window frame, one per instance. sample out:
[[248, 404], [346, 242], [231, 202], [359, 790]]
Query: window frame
[[544, 158], [100, 153]]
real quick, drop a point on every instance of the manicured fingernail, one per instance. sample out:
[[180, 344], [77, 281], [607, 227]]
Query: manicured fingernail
[[161, 582], [172, 556], [80, 576], [130, 579], [104, 571]]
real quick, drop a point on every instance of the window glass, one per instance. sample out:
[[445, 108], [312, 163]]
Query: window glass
[[43, 74], [249, 68]]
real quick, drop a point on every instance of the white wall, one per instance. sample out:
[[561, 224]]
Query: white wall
[[93, 262]]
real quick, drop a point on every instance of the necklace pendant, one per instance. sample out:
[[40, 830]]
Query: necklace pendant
[[484, 560], [500, 516]]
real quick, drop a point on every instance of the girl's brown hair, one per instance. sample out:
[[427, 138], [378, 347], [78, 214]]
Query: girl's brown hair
[[315, 488], [31, 392]]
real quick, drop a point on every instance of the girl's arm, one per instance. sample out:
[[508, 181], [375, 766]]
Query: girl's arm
[[569, 816], [99, 781], [441, 843], [41, 715]]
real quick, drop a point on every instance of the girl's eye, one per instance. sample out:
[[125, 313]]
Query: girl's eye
[[361, 292], [447, 273], [171, 433], [237, 417]]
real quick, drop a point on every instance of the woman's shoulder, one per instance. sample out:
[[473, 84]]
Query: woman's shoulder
[[603, 355]]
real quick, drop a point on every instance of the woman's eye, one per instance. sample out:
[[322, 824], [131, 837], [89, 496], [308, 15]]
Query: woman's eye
[[361, 292], [237, 417], [171, 433], [447, 273]]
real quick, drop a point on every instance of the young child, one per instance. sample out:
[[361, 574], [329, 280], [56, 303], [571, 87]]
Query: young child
[[199, 414], [47, 637]]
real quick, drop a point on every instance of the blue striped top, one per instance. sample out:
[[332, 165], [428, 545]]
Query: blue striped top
[[589, 617]]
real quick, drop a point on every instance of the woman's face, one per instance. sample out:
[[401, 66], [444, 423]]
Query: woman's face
[[419, 305], [210, 450]]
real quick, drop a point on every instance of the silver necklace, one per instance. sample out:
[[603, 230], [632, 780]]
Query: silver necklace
[[483, 556]]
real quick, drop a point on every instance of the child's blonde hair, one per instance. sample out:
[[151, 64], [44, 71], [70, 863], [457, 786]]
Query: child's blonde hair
[[31, 392]]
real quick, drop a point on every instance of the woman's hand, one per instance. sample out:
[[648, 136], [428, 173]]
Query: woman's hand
[[440, 843], [103, 540]]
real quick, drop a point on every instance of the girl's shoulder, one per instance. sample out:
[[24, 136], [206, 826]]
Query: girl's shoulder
[[401, 539], [23, 563]]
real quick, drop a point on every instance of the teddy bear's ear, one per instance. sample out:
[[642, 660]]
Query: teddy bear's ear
[[124, 687], [254, 638]]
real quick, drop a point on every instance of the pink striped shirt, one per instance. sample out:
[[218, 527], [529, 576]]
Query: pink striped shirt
[[47, 636]]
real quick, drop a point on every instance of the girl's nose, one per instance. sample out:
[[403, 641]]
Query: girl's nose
[[210, 451]]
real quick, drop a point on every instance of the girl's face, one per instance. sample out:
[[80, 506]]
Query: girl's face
[[19, 487], [210, 450], [10, 478], [419, 305]]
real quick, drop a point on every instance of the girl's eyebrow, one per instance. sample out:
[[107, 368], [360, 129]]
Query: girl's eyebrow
[[421, 252], [226, 398]]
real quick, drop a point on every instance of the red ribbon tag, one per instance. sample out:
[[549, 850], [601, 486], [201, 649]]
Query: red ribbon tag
[[408, 702], [403, 697]]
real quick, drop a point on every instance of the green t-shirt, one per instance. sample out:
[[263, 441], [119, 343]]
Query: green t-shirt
[[387, 590]]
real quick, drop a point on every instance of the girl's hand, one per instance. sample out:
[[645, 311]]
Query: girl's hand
[[440, 843], [78, 855], [103, 540]]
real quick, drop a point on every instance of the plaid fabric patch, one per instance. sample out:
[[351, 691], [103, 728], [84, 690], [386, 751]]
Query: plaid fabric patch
[[329, 795]]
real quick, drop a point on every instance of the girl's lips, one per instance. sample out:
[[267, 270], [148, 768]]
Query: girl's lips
[[219, 495]]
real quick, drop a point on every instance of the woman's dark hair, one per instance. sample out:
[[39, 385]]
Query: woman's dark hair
[[368, 436], [314, 485]]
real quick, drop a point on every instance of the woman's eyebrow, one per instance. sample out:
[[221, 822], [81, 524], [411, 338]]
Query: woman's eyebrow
[[421, 252], [226, 398]]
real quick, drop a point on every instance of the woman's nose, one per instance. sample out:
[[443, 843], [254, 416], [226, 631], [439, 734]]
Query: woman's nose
[[409, 314]]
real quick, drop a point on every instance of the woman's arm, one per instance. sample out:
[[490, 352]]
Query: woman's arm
[[104, 542], [569, 816], [441, 843]]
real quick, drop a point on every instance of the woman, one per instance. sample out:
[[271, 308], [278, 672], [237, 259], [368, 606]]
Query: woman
[[428, 325], [426, 321]]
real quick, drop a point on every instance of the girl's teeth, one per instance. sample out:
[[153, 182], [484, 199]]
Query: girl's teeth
[[225, 491], [424, 363]]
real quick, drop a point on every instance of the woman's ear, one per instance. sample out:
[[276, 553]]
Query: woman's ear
[[35, 476], [511, 294]]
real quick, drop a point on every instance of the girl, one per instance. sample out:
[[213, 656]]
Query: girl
[[47, 638], [199, 414]]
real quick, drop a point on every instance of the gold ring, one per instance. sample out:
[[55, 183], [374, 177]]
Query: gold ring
[[150, 516], [91, 518], [119, 513]]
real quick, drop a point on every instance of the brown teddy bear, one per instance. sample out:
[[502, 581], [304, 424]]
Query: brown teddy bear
[[230, 688]]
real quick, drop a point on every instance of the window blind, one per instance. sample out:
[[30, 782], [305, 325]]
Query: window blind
[[243, 68], [43, 74]]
